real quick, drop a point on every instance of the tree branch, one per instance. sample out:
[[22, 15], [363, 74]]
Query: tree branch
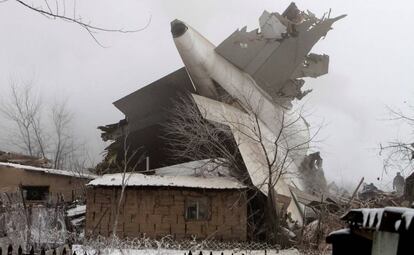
[[91, 29]]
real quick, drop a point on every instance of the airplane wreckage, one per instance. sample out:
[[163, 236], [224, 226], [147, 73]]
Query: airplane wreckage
[[261, 72]]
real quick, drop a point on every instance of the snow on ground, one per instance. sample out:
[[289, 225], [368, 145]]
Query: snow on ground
[[80, 251]]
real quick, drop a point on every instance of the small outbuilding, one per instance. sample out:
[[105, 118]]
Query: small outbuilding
[[156, 206], [42, 185]]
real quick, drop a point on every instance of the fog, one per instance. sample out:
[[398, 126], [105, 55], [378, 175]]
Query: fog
[[371, 59]]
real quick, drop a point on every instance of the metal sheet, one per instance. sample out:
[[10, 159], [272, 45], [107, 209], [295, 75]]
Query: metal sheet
[[271, 27], [251, 151]]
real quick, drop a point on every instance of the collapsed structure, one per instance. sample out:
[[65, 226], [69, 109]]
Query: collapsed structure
[[247, 83]]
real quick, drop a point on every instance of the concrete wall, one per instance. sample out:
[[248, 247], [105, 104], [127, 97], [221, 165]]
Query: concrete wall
[[68, 186], [157, 212]]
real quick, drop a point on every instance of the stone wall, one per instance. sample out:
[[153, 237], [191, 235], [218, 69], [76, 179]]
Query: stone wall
[[68, 186], [157, 212]]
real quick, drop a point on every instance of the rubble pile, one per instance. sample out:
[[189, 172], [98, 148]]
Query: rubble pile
[[327, 215]]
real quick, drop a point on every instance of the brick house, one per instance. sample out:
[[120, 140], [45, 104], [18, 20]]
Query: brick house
[[41, 185], [155, 206]]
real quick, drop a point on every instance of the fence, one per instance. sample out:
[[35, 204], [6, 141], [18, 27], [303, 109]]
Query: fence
[[168, 242], [14, 250], [198, 253]]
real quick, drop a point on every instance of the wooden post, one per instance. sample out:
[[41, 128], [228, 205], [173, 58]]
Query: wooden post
[[354, 193]]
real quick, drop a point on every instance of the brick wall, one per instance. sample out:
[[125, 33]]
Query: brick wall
[[157, 212]]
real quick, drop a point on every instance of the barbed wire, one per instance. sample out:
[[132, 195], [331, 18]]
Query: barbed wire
[[168, 242]]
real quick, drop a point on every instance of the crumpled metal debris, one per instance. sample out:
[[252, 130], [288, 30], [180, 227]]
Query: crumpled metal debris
[[271, 27], [279, 54]]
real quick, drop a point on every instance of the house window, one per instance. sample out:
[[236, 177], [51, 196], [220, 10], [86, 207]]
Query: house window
[[35, 193], [197, 208]]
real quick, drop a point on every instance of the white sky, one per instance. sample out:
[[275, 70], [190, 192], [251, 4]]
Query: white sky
[[371, 60]]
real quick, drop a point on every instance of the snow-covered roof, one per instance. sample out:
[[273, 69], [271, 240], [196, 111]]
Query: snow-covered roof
[[49, 170], [137, 179]]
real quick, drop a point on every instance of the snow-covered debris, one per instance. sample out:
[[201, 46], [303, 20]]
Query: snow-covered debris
[[78, 210], [50, 170], [343, 231], [137, 179], [77, 221]]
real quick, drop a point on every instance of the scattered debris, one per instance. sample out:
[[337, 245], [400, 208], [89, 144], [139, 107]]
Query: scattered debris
[[75, 218]]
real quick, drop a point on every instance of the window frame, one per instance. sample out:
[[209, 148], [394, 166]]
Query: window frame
[[45, 191], [203, 201]]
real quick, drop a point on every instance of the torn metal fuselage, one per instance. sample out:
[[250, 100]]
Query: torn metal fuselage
[[261, 70]]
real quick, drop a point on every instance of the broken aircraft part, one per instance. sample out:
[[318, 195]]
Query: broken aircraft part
[[253, 156], [275, 64], [271, 27], [259, 70]]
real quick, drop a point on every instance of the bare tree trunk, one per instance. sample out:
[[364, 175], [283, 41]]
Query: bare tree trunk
[[127, 169], [28, 220], [272, 216], [37, 129], [61, 119]]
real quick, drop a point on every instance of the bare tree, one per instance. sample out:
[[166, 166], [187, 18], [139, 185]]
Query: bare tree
[[190, 135], [41, 131], [399, 153], [22, 108], [66, 11], [63, 140]]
